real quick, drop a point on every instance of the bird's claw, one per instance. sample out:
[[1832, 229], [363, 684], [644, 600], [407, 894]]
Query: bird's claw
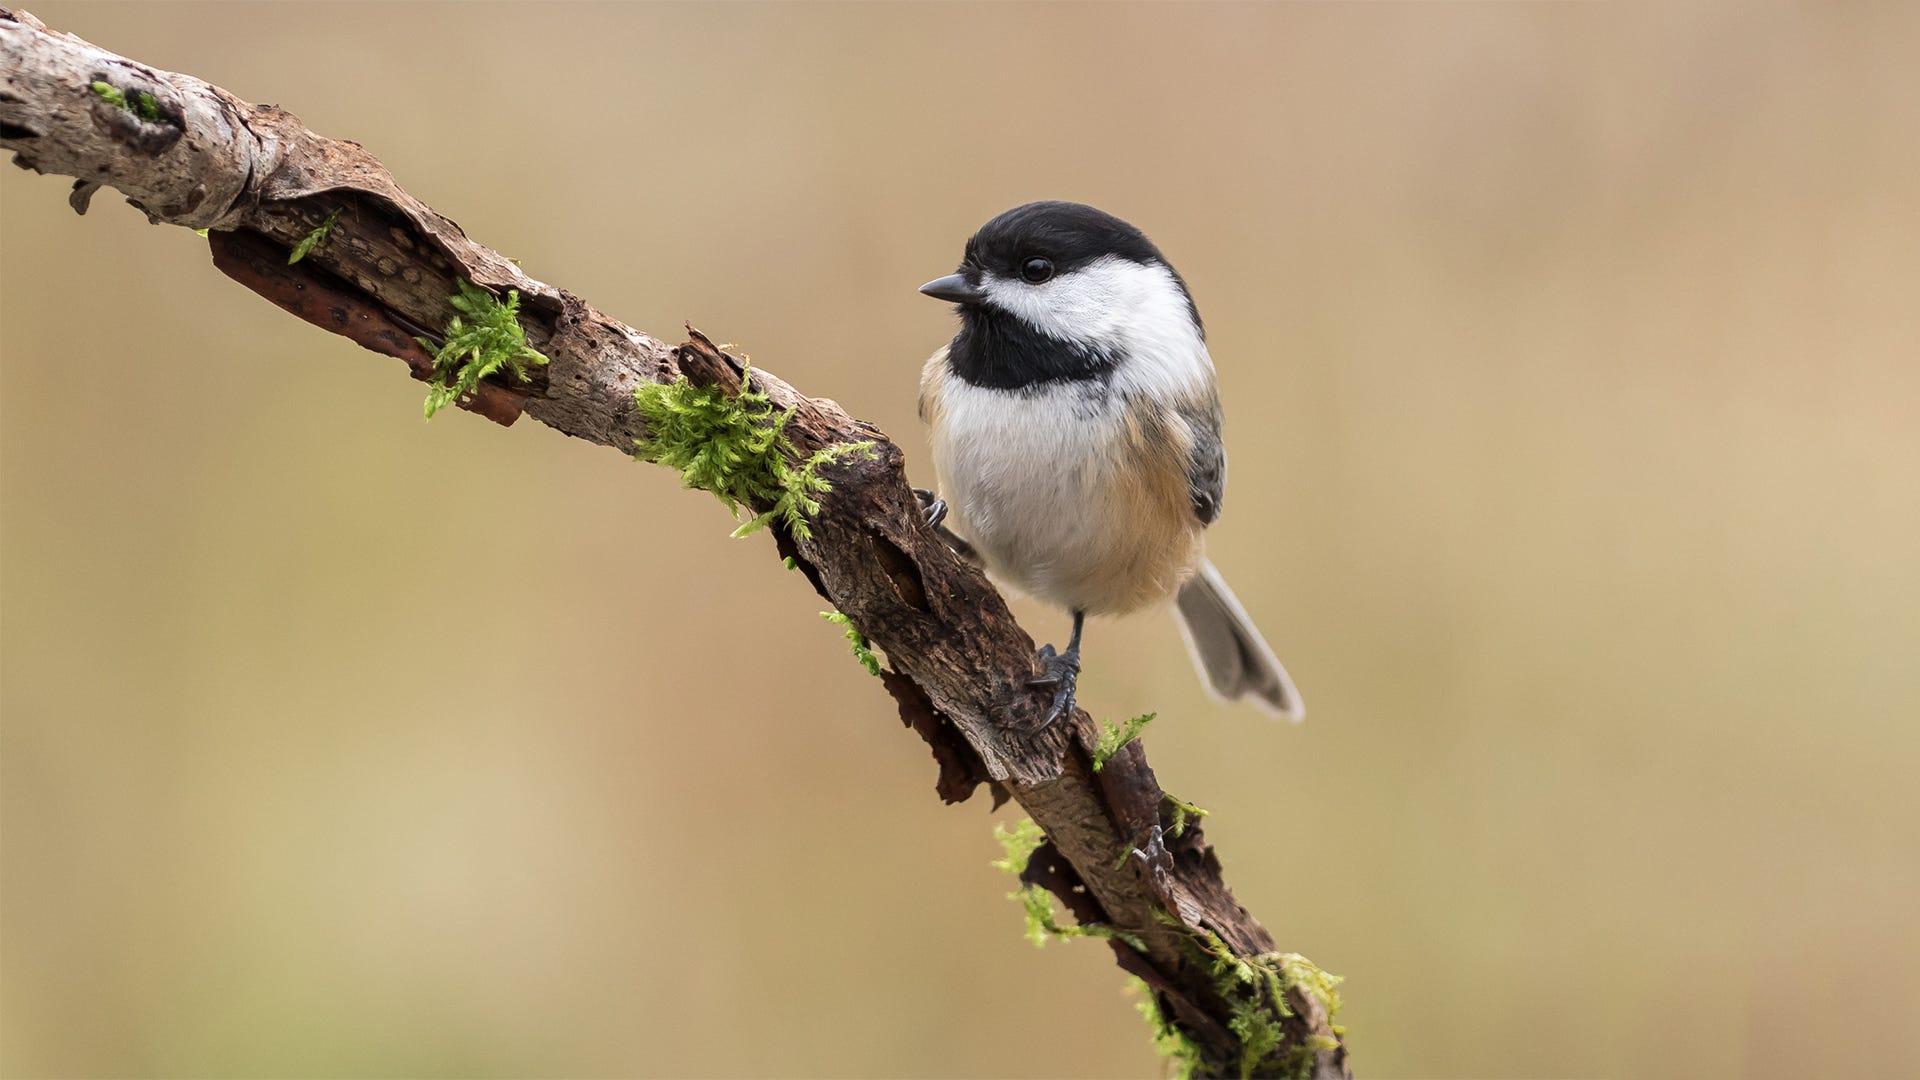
[[1060, 671], [932, 507]]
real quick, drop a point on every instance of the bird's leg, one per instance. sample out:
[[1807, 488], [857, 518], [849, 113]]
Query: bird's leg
[[933, 506], [1060, 671], [935, 510]]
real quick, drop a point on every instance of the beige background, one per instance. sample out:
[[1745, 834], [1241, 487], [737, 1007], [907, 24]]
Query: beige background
[[1569, 353]]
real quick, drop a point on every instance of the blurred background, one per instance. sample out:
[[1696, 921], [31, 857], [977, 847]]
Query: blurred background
[[1573, 404]]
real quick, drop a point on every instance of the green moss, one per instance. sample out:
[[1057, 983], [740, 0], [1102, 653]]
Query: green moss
[[1297, 1063], [1181, 810], [737, 448], [1019, 845], [1041, 924], [1258, 997], [1305, 975], [857, 640], [110, 94], [313, 240], [493, 342], [1114, 738], [1258, 1030], [1168, 1040], [1038, 903], [1256, 987], [142, 104]]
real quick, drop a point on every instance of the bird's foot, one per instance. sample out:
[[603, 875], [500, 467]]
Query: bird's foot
[[932, 506], [1060, 671], [934, 510]]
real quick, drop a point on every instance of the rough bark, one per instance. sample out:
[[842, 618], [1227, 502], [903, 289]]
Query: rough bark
[[188, 153]]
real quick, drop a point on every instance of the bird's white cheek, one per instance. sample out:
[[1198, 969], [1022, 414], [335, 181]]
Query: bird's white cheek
[[1133, 312], [1080, 307]]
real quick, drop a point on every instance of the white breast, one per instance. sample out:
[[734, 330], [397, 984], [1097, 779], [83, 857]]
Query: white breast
[[1025, 473], [1068, 494]]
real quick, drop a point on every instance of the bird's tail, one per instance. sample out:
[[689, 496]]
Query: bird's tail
[[1232, 657]]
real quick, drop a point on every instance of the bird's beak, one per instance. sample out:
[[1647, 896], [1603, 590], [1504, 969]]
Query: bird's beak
[[953, 287]]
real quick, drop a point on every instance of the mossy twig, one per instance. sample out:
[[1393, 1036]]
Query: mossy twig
[[1256, 987], [737, 448]]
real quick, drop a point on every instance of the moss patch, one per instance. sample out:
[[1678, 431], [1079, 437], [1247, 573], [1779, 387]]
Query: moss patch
[[1115, 738], [856, 640], [1181, 810], [319, 234], [1305, 975], [1019, 845], [1168, 1040], [140, 103], [1257, 986], [1036, 900], [1041, 923], [487, 341], [737, 448]]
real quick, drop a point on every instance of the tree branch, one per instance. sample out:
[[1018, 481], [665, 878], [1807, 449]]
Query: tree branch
[[188, 153]]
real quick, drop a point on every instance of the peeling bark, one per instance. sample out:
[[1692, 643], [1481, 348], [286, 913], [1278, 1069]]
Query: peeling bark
[[188, 153]]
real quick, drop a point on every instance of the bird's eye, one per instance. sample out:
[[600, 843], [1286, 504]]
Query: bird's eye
[[1037, 270]]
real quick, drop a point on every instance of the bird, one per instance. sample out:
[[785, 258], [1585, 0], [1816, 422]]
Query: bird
[[1075, 428]]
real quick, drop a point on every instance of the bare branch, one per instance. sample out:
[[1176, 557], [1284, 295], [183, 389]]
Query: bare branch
[[189, 153]]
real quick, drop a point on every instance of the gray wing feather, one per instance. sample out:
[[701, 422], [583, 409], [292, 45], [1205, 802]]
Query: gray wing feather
[[1207, 463]]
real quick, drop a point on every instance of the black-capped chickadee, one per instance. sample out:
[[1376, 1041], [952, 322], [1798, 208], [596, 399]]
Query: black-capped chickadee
[[1075, 428]]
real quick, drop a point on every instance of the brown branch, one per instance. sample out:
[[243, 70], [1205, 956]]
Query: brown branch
[[189, 153]]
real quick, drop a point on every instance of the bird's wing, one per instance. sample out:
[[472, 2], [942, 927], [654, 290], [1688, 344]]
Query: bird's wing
[[1207, 460], [933, 384]]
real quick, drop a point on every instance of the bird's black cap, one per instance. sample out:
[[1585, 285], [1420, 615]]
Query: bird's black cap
[[1069, 233]]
